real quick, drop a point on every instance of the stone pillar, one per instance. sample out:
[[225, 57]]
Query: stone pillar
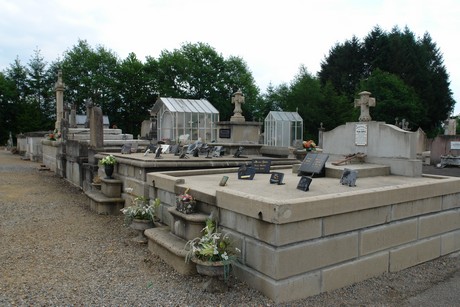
[[96, 128], [73, 117], [320, 135], [59, 87]]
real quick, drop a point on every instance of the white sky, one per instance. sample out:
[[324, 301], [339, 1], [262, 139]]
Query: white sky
[[273, 37]]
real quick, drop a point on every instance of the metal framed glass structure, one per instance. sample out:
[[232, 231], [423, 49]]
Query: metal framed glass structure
[[282, 128], [176, 117]]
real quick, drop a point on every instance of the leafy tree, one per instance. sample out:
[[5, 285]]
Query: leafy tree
[[90, 74], [417, 62], [41, 92], [197, 71], [135, 95], [9, 108], [394, 98]]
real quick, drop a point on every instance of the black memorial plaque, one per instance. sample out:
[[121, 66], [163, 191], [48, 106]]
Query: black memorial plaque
[[246, 172], [313, 165], [262, 165], [225, 133], [277, 178], [304, 183]]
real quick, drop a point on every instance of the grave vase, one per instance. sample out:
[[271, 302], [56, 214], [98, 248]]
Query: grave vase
[[217, 273], [141, 226], [187, 207], [108, 171]]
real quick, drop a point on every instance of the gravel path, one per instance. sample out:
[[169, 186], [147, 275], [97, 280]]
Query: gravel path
[[55, 252]]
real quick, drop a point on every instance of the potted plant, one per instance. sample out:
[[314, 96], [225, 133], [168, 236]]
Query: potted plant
[[140, 216], [108, 162], [185, 203], [213, 252]]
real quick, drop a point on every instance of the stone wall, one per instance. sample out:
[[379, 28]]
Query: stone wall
[[298, 247]]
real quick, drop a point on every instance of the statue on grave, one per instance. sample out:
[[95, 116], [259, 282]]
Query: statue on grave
[[238, 100], [365, 101]]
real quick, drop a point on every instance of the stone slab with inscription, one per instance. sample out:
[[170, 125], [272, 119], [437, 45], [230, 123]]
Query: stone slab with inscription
[[313, 165], [262, 165]]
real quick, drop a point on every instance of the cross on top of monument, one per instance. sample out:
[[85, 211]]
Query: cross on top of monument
[[365, 101]]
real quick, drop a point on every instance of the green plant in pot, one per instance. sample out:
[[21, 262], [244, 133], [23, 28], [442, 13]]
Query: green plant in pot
[[109, 163], [213, 252], [141, 216]]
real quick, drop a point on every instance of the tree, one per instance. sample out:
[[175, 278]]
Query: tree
[[417, 62], [135, 95], [41, 92], [197, 71], [90, 74], [9, 108], [394, 97]]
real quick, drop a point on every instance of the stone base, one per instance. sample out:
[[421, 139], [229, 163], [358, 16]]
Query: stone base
[[170, 248], [102, 204]]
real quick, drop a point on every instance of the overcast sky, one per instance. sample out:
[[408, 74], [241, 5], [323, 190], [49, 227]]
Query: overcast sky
[[273, 37]]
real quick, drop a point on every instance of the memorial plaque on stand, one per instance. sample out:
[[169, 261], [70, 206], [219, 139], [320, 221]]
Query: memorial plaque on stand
[[304, 183], [262, 165], [277, 178], [126, 149], [313, 165], [246, 172]]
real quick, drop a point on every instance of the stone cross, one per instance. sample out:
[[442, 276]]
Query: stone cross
[[59, 88], [365, 102], [238, 100]]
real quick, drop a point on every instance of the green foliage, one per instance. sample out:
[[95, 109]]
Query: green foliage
[[417, 62], [396, 100]]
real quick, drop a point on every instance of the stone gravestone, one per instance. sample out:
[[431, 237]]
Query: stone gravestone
[[313, 165]]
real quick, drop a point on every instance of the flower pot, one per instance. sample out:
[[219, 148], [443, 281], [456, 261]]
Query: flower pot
[[141, 226], [186, 207], [108, 171], [217, 273]]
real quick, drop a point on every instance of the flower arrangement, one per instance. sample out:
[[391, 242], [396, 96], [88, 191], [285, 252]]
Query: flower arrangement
[[213, 246], [141, 210], [54, 136], [109, 160], [185, 203], [309, 145]]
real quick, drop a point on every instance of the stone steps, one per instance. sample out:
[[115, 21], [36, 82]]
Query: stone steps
[[170, 248], [102, 204]]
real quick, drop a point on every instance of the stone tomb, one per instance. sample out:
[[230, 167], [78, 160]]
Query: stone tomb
[[296, 244]]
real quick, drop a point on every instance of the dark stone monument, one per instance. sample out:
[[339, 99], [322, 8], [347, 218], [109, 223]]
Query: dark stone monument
[[313, 165], [246, 172], [304, 183], [277, 178], [97, 128]]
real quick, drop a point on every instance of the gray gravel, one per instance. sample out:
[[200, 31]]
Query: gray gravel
[[55, 252]]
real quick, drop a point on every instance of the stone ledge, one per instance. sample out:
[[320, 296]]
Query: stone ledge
[[170, 248]]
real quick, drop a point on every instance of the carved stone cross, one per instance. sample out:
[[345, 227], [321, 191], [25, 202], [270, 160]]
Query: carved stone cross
[[365, 101]]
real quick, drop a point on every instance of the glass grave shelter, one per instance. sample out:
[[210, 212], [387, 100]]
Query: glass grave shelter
[[282, 128], [194, 117]]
